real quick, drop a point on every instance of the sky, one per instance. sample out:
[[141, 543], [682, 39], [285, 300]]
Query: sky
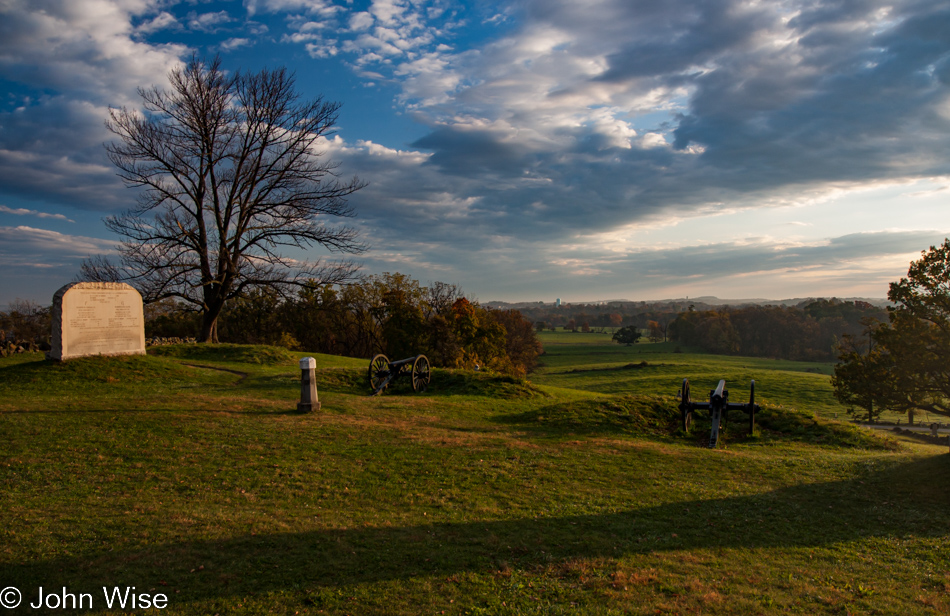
[[528, 150]]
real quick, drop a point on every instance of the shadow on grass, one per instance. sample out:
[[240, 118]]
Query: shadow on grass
[[902, 500], [657, 416], [922, 437]]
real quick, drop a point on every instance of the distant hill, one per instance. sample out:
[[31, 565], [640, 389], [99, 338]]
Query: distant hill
[[795, 301], [708, 300]]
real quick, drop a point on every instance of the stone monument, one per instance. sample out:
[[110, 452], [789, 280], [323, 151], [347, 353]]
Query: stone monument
[[308, 386], [97, 318]]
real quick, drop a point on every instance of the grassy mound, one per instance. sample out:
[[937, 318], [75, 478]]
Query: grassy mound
[[230, 353], [343, 380], [85, 371], [644, 415], [658, 416], [102, 383], [793, 425], [468, 383]]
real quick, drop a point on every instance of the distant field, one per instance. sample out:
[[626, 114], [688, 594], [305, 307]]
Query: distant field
[[187, 473], [593, 362], [597, 364]]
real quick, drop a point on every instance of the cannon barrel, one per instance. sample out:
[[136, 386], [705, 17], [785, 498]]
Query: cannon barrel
[[718, 393], [402, 362]]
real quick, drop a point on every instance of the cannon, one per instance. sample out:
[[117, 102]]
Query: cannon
[[718, 406], [382, 372]]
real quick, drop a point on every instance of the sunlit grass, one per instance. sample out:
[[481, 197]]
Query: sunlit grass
[[572, 493]]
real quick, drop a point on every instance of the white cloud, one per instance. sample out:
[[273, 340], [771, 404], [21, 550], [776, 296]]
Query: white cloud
[[640, 111], [22, 211], [653, 140], [372, 47], [29, 241], [387, 34], [361, 21], [569, 121], [322, 49], [322, 8], [87, 54], [388, 12], [53, 149], [235, 43], [35, 262], [208, 22], [162, 21], [85, 47]]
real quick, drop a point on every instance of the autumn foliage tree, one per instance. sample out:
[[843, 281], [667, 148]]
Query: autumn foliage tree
[[860, 377], [906, 369], [390, 313], [231, 178], [522, 346]]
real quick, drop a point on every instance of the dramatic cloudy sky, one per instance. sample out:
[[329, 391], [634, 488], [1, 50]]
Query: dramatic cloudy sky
[[532, 149]]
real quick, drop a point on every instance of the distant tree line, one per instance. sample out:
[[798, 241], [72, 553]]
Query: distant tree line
[[809, 333], [394, 314], [388, 313], [601, 317], [25, 321]]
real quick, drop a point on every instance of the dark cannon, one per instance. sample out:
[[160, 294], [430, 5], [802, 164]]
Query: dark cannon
[[718, 406], [382, 372]]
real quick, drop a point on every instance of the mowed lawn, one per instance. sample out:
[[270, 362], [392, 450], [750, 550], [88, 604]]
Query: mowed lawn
[[187, 473]]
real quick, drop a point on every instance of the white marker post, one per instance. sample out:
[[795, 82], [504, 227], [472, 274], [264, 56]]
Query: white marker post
[[308, 386]]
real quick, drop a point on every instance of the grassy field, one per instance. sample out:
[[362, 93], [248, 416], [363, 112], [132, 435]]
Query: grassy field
[[187, 473], [589, 361]]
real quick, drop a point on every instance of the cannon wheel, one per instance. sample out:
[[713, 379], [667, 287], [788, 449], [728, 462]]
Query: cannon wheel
[[686, 412], [752, 407], [378, 371], [420, 374]]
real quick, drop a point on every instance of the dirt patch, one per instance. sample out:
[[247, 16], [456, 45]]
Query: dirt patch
[[638, 366], [243, 375]]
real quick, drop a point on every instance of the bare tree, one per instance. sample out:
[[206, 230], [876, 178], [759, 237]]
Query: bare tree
[[232, 180], [27, 320]]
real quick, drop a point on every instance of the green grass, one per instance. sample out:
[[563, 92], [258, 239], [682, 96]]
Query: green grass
[[585, 361], [188, 473], [597, 365]]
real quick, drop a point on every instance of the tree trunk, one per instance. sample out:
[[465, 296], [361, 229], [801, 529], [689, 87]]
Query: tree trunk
[[209, 327]]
